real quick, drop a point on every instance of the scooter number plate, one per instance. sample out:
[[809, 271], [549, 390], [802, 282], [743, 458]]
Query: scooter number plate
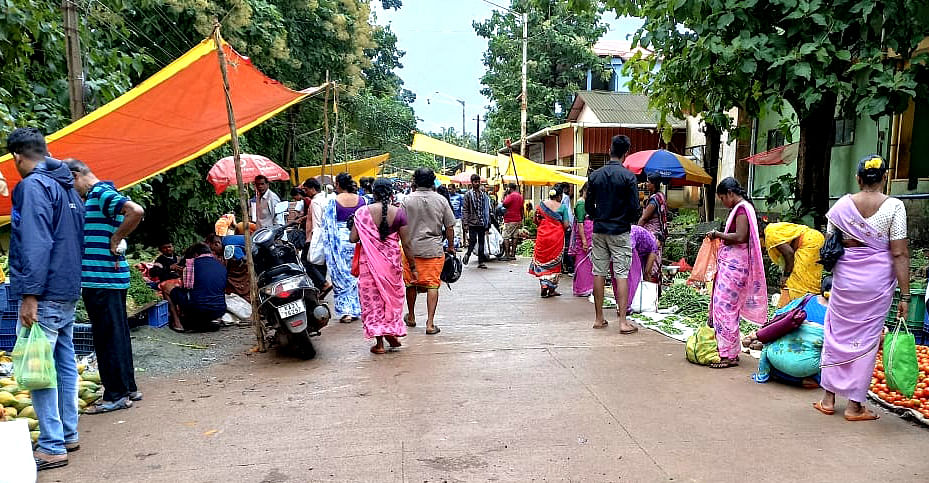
[[291, 309]]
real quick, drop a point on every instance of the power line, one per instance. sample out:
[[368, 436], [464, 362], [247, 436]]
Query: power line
[[139, 31]]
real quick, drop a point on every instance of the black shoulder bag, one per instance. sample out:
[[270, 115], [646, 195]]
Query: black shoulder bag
[[832, 250]]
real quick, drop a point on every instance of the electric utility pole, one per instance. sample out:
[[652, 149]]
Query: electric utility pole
[[478, 132], [73, 52], [524, 105]]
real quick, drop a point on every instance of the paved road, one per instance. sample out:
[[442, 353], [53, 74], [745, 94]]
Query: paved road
[[514, 388]]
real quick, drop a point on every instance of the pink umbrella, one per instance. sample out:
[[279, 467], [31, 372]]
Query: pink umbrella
[[222, 174], [465, 178]]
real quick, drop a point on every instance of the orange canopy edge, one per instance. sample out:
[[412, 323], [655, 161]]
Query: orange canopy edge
[[171, 118]]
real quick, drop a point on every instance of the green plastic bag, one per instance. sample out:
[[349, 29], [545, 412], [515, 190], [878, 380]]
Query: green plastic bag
[[33, 361], [901, 368], [701, 347]]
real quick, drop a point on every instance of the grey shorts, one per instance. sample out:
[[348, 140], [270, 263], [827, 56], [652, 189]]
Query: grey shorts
[[611, 248]]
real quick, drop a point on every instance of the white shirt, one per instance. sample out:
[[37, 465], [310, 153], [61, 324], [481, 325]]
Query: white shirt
[[266, 217]]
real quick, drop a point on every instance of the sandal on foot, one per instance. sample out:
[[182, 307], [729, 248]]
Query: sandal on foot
[[867, 415], [393, 341], [106, 407], [72, 447], [818, 405], [601, 326], [325, 291], [409, 322], [435, 330], [629, 331], [378, 350], [346, 319], [44, 464], [724, 364]]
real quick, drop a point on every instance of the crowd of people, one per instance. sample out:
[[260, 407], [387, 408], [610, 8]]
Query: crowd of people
[[374, 248]]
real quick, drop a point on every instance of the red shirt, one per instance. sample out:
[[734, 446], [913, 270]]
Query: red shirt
[[514, 207]]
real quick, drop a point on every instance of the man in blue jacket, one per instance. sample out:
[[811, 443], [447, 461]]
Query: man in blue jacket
[[45, 270]]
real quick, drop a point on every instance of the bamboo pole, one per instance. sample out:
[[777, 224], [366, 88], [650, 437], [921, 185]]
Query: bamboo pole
[[243, 195], [322, 170]]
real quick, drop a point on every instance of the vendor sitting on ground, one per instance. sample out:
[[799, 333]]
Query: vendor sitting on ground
[[794, 358], [199, 303], [163, 268], [236, 267]]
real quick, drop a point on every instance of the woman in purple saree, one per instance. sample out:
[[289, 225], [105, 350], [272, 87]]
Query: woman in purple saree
[[740, 290], [580, 247], [645, 252], [875, 262]]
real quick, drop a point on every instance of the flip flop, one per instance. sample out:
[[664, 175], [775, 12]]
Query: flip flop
[[408, 322], [630, 331], [435, 330], [107, 407], [376, 350], [179, 331], [601, 326], [393, 341], [818, 405], [866, 416], [325, 292], [346, 319], [41, 464]]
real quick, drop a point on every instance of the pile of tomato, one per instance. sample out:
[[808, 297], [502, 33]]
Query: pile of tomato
[[920, 400]]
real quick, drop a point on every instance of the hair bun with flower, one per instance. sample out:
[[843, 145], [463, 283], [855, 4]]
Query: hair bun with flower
[[874, 163], [552, 192]]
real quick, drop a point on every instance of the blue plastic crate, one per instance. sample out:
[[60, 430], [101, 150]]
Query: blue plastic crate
[[4, 296], [159, 315], [83, 339], [12, 309], [7, 333]]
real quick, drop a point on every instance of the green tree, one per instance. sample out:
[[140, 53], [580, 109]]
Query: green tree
[[560, 52], [854, 56]]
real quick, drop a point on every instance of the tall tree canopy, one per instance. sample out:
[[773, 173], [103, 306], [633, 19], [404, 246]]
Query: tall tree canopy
[[560, 52], [294, 41], [814, 55]]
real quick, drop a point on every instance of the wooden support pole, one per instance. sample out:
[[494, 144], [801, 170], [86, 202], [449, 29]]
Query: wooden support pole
[[73, 52], [322, 170], [243, 194]]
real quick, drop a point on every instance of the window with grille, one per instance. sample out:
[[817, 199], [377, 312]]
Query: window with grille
[[844, 132]]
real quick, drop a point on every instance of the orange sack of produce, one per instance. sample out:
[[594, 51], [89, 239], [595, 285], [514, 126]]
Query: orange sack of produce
[[705, 267]]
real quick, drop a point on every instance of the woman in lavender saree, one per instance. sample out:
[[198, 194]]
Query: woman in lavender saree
[[740, 290], [875, 262]]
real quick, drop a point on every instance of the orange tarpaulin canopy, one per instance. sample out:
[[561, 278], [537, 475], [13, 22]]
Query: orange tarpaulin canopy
[[174, 116]]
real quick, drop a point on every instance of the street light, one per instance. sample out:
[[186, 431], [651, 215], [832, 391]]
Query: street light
[[459, 101]]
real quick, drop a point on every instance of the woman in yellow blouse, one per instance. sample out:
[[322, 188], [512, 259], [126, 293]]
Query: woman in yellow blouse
[[795, 248]]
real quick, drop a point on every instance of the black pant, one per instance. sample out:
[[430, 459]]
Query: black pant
[[317, 273], [477, 236], [106, 309], [567, 260]]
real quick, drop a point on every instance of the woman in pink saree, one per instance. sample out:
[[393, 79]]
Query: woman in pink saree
[[376, 231], [875, 262], [740, 290], [580, 247]]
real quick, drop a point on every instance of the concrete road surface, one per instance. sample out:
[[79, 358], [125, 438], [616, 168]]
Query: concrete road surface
[[515, 388]]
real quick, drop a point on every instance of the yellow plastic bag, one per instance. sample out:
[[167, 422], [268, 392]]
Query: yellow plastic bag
[[701, 347]]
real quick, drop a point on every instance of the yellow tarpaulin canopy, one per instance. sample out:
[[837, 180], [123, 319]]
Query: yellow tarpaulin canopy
[[535, 174], [426, 144], [358, 169], [443, 179]]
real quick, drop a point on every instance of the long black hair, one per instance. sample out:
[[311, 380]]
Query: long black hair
[[383, 191], [555, 192], [656, 179], [731, 185]]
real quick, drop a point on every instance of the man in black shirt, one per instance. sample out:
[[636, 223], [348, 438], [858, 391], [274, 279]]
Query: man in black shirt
[[613, 205]]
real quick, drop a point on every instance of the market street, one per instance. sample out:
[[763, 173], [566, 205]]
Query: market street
[[514, 388]]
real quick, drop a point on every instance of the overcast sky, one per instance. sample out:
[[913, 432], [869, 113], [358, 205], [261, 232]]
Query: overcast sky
[[444, 54]]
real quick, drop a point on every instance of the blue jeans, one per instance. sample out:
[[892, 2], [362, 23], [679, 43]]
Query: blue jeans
[[56, 408]]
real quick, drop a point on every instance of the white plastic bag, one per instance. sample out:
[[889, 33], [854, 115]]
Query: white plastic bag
[[16, 453], [317, 254], [238, 307], [646, 298], [494, 242]]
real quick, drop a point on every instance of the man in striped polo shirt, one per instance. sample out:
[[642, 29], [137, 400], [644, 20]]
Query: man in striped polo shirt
[[110, 218]]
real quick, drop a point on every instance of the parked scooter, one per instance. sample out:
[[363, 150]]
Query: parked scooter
[[288, 302]]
